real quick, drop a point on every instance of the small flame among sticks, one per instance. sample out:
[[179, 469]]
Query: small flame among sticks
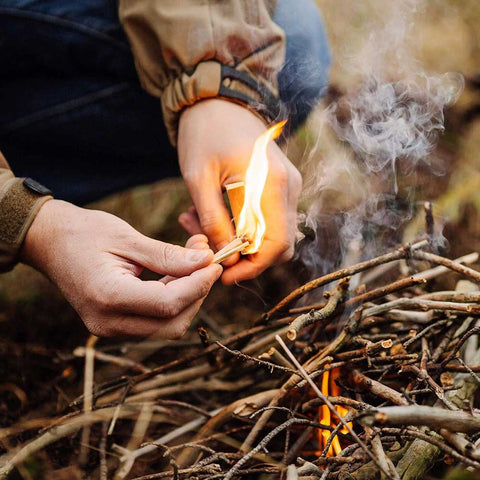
[[329, 387]]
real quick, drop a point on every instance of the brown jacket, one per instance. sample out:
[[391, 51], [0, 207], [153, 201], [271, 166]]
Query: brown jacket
[[188, 50], [185, 51]]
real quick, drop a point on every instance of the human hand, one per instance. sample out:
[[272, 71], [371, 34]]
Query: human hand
[[95, 259], [215, 141]]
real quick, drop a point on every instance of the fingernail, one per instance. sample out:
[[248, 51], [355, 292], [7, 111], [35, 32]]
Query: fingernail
[[197, 256]]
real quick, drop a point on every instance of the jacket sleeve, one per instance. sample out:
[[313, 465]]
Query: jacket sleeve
[[20, 201], [188, 50]]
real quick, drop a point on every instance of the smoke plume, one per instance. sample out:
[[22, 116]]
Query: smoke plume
[[387, 121]]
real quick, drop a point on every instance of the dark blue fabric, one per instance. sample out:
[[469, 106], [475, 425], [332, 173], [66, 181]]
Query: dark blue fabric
[[72, 113]]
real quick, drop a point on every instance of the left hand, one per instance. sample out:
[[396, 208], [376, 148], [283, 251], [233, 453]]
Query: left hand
[[215, 141]]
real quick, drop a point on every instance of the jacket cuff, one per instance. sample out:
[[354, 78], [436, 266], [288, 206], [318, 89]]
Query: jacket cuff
[[20, 201], [211, 79]]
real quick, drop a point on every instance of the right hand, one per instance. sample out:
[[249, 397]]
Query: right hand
[[95, 259]]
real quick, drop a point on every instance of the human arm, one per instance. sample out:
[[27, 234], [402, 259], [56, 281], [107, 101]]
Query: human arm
[[216, 154], [95, 259], [182, 50]]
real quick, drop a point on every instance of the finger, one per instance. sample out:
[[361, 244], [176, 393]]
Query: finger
[[212, 212], [164, 258], [253, 265], [197, 242], [190, 222], [129, 294], [145, 326]]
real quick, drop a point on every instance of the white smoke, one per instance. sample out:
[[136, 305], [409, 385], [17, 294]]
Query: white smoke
[[396, 120], [388, 119]]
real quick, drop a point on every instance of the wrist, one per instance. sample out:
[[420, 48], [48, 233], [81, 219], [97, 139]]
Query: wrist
[[39, 241]]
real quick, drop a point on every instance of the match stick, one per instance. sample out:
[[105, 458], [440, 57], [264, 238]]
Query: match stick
[[231, 248], [236, 197]]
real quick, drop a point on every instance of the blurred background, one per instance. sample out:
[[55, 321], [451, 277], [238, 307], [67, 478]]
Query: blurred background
[[38, 328]]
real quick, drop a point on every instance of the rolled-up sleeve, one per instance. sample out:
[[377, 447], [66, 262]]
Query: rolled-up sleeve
[[189, 50], [19, 204]]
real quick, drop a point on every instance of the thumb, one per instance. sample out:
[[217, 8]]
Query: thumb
[[211, 209], [167, 259]]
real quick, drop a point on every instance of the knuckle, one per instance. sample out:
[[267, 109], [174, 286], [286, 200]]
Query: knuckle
[[180, 329], [203, 289], [99, 300], [168, 309], [97, 328], [209, 222], [164, 255], [191, 178], [105, 297]]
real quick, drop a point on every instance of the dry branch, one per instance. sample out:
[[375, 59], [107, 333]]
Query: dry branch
[[214, 410]]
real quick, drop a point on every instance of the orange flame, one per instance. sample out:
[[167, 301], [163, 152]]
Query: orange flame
[[324, 414], [251, 222]]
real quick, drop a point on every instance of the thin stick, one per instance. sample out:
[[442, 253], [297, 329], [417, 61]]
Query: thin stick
[[88, 394], [327, 311], [402, 252], [235, 246], [451, 264], [454, 420]]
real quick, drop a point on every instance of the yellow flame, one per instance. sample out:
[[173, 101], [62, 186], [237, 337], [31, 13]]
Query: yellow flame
[[251, 222], [325, 417]]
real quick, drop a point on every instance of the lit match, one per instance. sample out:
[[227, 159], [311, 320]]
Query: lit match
[[249, 220]]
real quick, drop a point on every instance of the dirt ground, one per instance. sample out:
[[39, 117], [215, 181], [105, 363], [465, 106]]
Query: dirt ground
[[39, 330]]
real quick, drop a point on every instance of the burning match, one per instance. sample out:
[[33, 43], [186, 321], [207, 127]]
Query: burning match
[[245, 200]]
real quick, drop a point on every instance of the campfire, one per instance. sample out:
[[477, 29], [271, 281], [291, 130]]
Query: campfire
[[381, 379]]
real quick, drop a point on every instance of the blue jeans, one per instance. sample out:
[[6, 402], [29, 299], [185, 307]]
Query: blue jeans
[[72, 112]]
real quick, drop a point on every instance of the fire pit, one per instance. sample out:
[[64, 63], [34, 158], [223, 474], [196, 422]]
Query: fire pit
[[377, 381]]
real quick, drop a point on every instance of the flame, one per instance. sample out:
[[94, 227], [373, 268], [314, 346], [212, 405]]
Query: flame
[[328, 384], [251, 222]]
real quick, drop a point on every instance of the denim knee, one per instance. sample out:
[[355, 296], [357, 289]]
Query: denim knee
[[304, 76]]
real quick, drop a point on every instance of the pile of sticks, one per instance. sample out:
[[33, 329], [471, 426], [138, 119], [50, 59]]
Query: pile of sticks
[[258, 402]]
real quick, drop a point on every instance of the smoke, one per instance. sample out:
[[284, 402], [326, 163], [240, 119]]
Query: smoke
[[396, 120], [387, 122]]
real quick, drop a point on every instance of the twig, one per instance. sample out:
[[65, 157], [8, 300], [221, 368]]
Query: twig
[[377, 388], [103, 453], [270, 365], [105, 357], [87, 393], [334, 298], [277, 357], [456, 421], [451, 264], [423, 332], [383, 459], [402, 252], [473, 331], [261, 445], [380, 292], [434, 440]]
